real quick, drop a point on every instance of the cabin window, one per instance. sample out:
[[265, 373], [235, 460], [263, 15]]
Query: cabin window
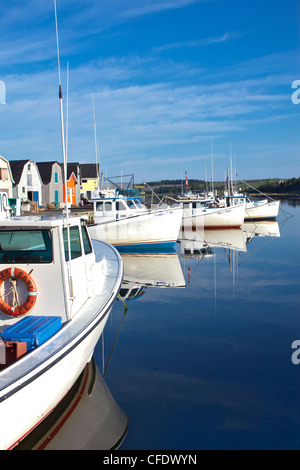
[[99, 206], [120, 206], [25, 246], [86, 241], [138, 204], [74, 242], [131, 205], [108, 207]]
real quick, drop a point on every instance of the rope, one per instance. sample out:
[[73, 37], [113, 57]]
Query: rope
[[14, 292], [15, 296]]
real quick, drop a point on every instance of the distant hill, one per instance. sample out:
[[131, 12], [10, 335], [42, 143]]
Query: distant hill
[[267, 186], [290, 186]]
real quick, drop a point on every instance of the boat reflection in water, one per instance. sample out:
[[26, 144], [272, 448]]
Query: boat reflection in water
[[196, 241], [142, 270], [88, 418], [199, 242], [261, 229]]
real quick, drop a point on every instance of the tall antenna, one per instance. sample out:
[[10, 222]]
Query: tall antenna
[[231, 176], [61, 109], [64, 151], [212, 165], [96, 141]]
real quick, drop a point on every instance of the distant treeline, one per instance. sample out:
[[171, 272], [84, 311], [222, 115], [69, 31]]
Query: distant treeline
[[176, 186], [287, 186], [282, 187]]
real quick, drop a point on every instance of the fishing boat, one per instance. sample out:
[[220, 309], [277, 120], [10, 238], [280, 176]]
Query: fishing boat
[[128, 225], [210, 215], [57, 290], [256, 210]]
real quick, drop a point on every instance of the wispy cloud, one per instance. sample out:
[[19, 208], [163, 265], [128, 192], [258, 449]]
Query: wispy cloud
[[154, 6], [200, 43]]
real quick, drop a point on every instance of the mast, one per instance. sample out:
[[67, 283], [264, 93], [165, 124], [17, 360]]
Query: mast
[[231, 177], [96, 143], [64, 152], [212, 167]]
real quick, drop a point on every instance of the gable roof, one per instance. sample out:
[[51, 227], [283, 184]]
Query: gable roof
[[89, 170], [73, 168], [17, 167], [45, 169]]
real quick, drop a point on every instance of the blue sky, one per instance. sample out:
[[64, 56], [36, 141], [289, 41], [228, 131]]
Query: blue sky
[[173, 81]]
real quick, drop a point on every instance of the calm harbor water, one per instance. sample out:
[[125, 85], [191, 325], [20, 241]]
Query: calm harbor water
[[207, 362]]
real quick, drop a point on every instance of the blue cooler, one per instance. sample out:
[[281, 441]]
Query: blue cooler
[[32, 330]]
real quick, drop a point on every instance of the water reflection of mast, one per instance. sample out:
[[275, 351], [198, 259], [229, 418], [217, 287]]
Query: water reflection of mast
[[215, 283], [232, 257], [114, 345]]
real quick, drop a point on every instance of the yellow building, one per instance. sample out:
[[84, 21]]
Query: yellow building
[[89, 179]]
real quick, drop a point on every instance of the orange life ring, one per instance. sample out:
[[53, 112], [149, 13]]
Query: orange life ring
[[16, 273]]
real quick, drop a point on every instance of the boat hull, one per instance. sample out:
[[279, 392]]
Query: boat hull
[[268, 210], [89, 405], [150, 231], [32, 387], [214, 218]]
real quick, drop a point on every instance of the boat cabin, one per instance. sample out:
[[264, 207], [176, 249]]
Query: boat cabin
[[245, 200], [202, 204], [39, 247], [237, 200], [113, 209]]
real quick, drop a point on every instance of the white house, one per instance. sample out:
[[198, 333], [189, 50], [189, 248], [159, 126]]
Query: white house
[[6, 178], [27, 181]]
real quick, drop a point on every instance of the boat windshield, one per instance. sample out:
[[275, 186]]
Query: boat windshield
[[25, 246], [138, 204], [131, 204]]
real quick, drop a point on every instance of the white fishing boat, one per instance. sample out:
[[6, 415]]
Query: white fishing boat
[[256, 210], [209, 215], [127, 224], [56, 293], [53, 312]]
